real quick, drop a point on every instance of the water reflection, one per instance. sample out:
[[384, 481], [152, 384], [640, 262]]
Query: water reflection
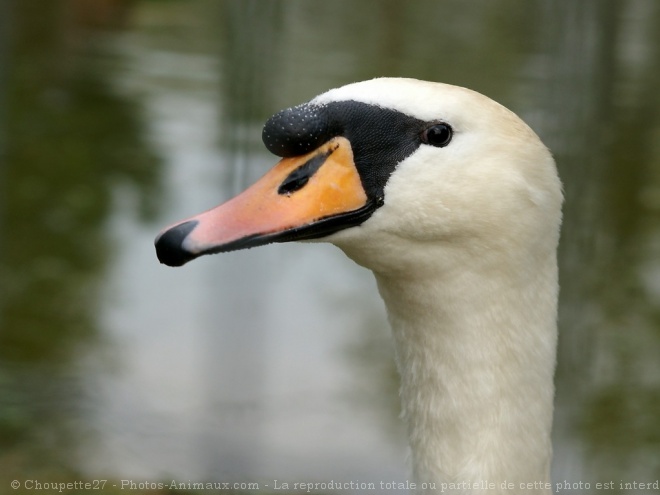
[[275, 363], [69, 141], [607, 378]]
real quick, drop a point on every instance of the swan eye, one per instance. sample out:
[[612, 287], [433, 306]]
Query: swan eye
[[438, 135]]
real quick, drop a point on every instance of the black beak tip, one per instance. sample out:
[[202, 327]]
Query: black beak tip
[[169, 245]]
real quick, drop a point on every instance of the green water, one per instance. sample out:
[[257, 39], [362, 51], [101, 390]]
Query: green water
[[119, 117]]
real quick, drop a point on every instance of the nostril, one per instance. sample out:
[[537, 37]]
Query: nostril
[[299, 177], [295, 181], [169, 244]]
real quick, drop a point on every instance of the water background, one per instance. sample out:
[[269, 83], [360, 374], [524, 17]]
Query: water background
[[120, 117]]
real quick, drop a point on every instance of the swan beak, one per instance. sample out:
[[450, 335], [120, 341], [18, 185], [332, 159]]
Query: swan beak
[[303, 197]]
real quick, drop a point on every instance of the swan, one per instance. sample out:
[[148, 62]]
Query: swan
[[454, 204]]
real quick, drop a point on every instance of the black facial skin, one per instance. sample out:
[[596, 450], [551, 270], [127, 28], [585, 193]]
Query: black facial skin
[[380, 138]]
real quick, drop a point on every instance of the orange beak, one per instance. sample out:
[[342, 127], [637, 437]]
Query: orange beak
[[304, 197]]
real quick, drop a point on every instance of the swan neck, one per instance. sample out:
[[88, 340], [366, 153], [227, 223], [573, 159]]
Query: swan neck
[[476, 354]]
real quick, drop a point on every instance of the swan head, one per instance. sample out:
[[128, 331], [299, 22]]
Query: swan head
[[391, 170]]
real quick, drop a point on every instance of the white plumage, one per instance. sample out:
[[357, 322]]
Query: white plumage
[[464, 253]]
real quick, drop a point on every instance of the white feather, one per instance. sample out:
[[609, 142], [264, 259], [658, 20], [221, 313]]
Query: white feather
[[464, 253]]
